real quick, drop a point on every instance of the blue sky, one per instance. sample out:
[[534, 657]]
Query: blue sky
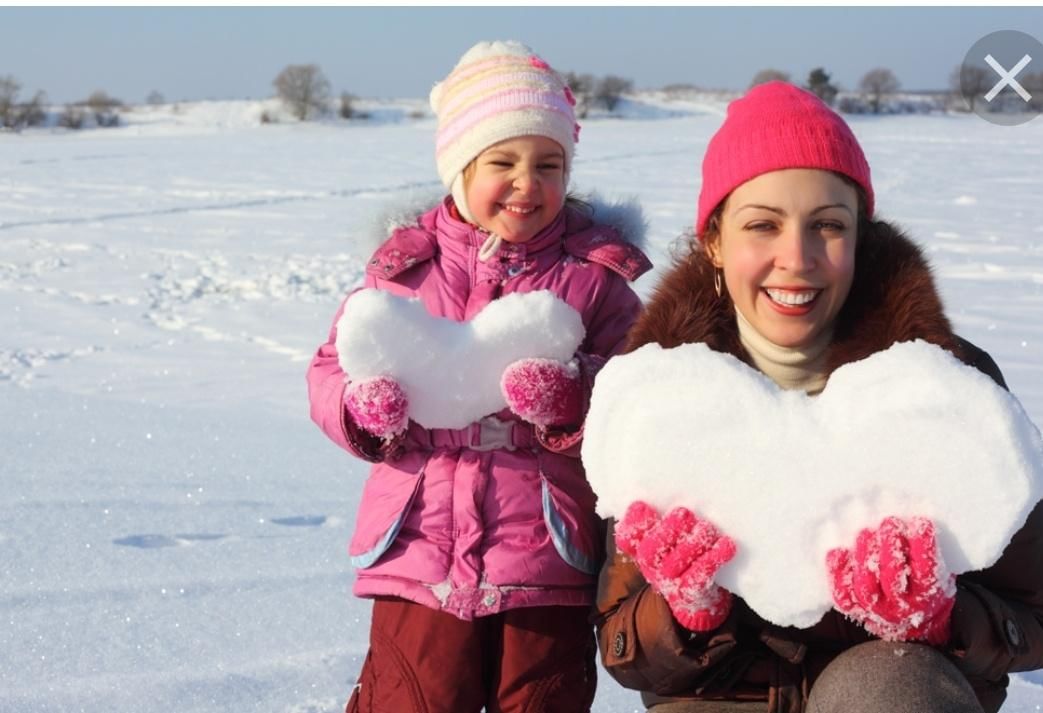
[[200, 53]]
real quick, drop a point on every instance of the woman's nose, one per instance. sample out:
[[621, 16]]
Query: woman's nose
[[795, 249]]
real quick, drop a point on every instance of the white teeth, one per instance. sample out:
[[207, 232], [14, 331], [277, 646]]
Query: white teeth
[[789, 297], [519, 211]]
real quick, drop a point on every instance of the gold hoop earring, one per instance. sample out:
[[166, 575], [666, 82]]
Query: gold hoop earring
[[717, 281]]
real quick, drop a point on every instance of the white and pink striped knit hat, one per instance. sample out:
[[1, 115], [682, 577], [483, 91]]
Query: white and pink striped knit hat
[[498, 91]]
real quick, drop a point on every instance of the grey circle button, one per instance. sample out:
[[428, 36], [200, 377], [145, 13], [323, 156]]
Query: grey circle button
[[1001, 78], [619, 645]]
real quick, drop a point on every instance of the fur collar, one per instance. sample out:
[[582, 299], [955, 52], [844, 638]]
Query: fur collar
[[402, 212], [893, 299], [624, 215]]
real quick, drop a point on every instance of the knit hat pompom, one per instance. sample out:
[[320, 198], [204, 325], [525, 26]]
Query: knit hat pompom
[[777, 126], [498, 91]]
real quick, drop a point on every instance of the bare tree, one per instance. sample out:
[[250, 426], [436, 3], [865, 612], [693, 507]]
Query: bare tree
[[820, 86], [15, 115], [346, 110], [582, 88], [877, 84], [304, 88], [31, 113], [155, 98], [104, 108], [610, 90], [101, 100], [9, 88], [73, 117], [971, 81], [769, 75]]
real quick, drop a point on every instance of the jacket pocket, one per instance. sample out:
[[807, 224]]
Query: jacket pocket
[[386, 501], [572, 524]]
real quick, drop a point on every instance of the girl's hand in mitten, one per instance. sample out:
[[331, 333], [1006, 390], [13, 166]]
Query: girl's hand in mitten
[[679, 555], [544, 392], [378, 405], [894, 583]]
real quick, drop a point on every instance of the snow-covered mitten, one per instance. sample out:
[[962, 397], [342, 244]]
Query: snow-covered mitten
[[544, 392], [894, 583], [378, 405], [679, 555]]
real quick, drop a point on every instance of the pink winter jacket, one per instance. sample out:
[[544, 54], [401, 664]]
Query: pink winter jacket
[[494, 516]]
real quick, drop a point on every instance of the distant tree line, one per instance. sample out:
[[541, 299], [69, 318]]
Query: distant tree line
[[306, 93], [971, 80], [878, 89], [98, 109], [303, 89]]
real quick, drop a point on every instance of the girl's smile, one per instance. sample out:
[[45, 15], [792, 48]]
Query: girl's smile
[[516, 188]]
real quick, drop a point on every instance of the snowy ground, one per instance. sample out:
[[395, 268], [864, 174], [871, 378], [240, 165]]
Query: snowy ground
[[172, 528]]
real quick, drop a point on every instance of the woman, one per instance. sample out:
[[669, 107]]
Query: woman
[[791, 274]]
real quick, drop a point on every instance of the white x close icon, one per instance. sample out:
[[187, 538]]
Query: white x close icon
[[1007, 78]]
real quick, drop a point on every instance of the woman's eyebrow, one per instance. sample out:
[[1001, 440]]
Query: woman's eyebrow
[[833, 205], [780, 211], [758, 206]]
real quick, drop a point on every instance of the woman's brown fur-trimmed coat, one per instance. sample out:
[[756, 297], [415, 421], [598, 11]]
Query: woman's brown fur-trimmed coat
[[997, 624]]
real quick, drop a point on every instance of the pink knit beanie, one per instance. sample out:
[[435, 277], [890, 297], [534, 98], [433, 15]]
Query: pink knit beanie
[[498, 91], [776, 126]]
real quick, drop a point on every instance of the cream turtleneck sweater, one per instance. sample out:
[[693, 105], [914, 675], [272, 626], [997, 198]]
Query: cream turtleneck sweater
[[801, 368]]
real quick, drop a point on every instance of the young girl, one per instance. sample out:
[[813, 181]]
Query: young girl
[[480, 545], [791, 274]]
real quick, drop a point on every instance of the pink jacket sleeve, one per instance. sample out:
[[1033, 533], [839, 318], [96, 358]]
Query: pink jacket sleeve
[[326, 384], [619, 308]]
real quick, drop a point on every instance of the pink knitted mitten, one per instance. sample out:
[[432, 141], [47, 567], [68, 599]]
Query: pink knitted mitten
[[679, 555], [378, 405], [544, 392], [895, 583]]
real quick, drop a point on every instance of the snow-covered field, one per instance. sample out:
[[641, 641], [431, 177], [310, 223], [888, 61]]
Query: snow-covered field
[[172, 526]]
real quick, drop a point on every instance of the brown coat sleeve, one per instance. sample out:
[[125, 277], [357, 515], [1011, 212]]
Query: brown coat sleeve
[[997, 624], [642, 645]]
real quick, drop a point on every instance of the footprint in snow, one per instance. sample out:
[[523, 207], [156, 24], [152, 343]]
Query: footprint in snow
[[152, 542], [300, 521]]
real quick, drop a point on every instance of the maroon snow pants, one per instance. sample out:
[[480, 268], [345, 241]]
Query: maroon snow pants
[[531, 660]]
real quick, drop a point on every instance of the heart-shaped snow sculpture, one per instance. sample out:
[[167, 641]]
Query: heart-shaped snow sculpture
[[451, 370], [908, 431]]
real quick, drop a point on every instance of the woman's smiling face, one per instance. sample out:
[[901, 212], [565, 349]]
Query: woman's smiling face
[[786, 247]]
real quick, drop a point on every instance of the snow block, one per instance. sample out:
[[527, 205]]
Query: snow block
[[908, 431], [451, 370]]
